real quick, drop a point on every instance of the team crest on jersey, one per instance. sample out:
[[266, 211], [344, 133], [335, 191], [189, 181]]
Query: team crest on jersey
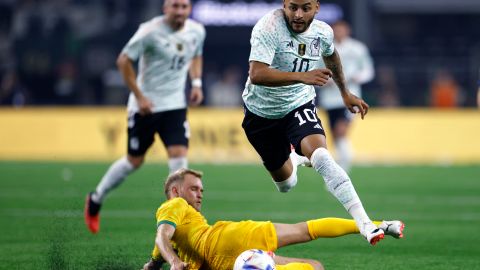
[[315, 47], [301, 49], [179, 47]]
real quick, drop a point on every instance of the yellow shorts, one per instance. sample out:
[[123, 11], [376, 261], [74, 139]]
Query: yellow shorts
[[295, 266], [229, 239]]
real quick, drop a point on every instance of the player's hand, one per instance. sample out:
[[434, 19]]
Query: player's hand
[[178, 265], [145, 105], [355, 104], [196, 96], [317, 76]]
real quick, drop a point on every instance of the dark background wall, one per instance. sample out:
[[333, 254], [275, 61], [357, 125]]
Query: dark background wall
[[62, 52]]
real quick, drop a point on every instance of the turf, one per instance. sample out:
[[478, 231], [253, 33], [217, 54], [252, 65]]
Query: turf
[[41, 216]]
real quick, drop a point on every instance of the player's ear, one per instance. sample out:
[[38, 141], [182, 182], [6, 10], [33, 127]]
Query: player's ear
[[174, 192]]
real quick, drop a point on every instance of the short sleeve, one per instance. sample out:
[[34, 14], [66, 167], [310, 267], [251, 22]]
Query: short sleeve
[[264, 44], [172, 212], [135, 45], [327, 42]]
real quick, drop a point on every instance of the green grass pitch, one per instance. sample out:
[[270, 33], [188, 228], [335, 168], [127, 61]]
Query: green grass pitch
[[42, 227]]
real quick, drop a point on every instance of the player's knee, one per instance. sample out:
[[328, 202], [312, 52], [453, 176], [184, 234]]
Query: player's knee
[[319, 157]]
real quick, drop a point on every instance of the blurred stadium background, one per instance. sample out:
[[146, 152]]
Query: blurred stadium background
[[62, 120]]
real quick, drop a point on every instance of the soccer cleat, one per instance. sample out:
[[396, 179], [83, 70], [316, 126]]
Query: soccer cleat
[[393, 228], [372, 233], [91, 213]]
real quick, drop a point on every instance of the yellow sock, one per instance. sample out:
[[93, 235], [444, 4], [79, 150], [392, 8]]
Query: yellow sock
[[294, 266], [331, 227]]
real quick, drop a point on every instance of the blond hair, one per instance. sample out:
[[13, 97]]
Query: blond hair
[[178, 177]]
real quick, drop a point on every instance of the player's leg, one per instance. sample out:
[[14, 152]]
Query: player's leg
[[177, 157], [115, 175], [307, 135], [339, 184], [289, 234], [174, 132], [340, 123], [288, 263], [268, 138], [140, 137]]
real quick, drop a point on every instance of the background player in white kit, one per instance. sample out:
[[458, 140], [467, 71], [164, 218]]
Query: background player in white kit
[[358, 69], [288, 46], [168, 47]]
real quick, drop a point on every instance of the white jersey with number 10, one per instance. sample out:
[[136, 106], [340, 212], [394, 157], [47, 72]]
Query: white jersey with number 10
[[273, 43]]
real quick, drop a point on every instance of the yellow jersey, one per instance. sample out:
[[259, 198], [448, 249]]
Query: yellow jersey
[[211, 247]]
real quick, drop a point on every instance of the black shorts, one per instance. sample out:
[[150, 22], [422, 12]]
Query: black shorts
[[272, 138], [171, 126], [336, 115]]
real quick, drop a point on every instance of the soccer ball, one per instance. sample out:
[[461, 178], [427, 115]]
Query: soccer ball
[[255, 259]]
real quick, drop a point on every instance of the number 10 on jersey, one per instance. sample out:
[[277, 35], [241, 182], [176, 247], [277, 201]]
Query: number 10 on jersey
[[303, 62]]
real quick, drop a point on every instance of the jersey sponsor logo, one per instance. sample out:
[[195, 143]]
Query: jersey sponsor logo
[[315, 47], [301, 49]]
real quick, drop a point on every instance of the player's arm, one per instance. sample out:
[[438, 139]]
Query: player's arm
[[125, 66], [261, 74], [351, 101], [287, 263], [196, 95], [164, 234]]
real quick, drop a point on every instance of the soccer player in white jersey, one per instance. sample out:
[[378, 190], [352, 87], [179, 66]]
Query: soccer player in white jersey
[[167, 47], [287, 49], [357, 69]]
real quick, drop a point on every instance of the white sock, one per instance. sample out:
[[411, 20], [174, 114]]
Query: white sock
[[112, 178], [289, 183], [339, 184], [299, 160], [344, 153], [177, 163]]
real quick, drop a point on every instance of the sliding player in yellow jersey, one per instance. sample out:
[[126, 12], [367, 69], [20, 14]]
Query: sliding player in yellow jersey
[[186, 241]]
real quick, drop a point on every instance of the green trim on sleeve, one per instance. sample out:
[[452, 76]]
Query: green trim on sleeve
[[166, 222]]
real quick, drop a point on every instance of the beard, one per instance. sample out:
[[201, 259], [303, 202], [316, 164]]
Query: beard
[[297, 28], [300, 28]]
